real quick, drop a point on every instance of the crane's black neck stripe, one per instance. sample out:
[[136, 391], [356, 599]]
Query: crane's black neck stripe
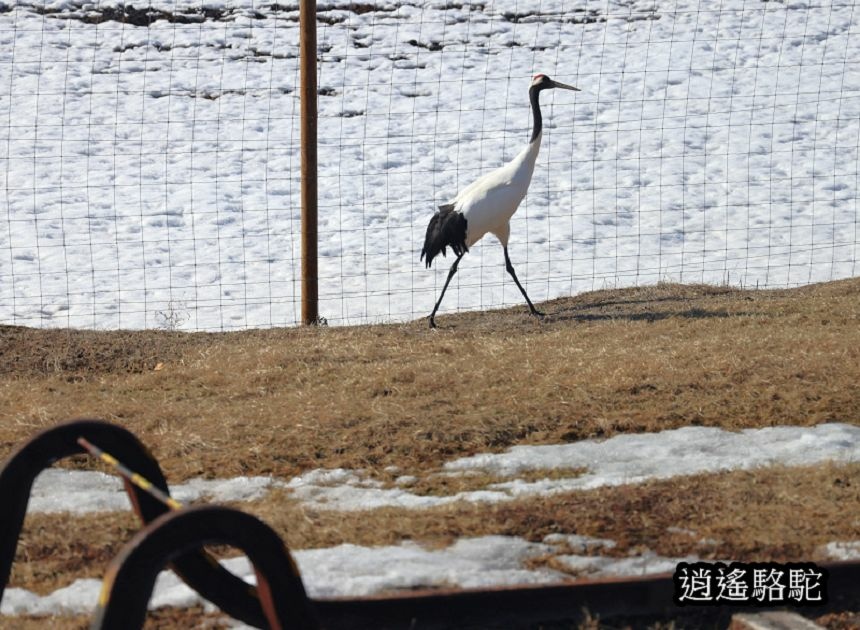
[[534, 97]]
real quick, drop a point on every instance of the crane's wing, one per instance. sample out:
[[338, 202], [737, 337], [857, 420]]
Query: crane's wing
[[446, 227]]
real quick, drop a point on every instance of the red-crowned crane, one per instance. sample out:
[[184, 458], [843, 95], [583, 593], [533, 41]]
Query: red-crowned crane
[[488, 204]]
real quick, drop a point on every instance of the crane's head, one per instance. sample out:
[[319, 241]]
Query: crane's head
[[543, 82]]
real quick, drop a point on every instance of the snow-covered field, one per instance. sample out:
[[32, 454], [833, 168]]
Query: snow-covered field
[[351, 570], [150, 167]]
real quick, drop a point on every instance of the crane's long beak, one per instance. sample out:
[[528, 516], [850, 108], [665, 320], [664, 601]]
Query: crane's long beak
[[565, 86]]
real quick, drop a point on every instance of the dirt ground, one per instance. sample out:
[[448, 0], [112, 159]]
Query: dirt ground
[[280, 402]]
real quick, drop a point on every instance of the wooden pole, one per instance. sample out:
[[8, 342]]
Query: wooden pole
[[308, 90]]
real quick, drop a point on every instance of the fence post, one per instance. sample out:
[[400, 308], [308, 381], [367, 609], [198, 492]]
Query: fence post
[[308, 92]]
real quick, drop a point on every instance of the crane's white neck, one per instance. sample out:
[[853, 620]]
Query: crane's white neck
[[525, 161]]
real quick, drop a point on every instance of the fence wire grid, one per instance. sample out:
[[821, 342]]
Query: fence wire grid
[[150, 153]]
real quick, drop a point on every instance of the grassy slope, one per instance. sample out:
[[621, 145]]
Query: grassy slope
[[283, 401]]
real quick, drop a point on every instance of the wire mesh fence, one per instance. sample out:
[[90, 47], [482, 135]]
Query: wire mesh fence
[[150, 153]]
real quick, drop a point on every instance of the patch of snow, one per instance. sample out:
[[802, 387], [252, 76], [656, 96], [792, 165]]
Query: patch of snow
[[333, 477], [171, 591], [618, 460], [635, 457], [843, 550], [79, 597], [345, 570], [352, 498], [82, 491], [352, 570], [600, 566], [221, 490], [615, 461], [468, 563]]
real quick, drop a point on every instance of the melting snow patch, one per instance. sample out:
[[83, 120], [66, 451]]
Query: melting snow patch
[[79, 597], [843, 550], [615, 461], [618, 460], [82, 491], [685, 451], [352, 571], [469, 562], [342, 571], [599, 566]]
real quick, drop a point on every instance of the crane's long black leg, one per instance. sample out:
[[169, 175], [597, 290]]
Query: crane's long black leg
[[439, 301], [511, 271]]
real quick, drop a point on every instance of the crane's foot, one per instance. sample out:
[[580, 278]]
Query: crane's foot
[[538, 314], [432, 323]]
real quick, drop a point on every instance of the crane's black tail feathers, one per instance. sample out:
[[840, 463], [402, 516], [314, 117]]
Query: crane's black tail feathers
[[447, 227]]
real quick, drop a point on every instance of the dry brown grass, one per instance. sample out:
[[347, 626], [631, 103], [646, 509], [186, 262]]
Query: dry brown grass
[[444, 483], [186, 619], [745, 512], [283, 401]]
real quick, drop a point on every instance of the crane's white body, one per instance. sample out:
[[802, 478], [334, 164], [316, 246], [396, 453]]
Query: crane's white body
[[489, 202]]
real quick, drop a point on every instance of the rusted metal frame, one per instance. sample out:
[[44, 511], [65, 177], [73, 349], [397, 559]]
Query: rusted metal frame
[[131, 575], [309, 194], [287, 607], [512, 606], [197, 569]]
